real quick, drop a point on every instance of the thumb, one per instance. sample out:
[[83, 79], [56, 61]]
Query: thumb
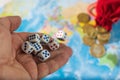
[[11, 22], [7, 25]]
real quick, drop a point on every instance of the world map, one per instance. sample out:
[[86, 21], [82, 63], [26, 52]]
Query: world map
[[50, 16]]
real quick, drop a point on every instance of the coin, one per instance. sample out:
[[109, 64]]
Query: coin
[[83, 17], [90, 30], [101, 29], [88, 41], [103, 42], [93, 35], [97, 50], [104, 37], [85, 27]]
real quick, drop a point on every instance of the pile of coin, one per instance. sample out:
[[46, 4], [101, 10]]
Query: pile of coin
[[95, 37]]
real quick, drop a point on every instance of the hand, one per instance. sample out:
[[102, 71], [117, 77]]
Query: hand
[[15, 64]]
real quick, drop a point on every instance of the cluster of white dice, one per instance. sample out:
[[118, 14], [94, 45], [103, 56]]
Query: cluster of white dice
[[34, 46], [35, 42]]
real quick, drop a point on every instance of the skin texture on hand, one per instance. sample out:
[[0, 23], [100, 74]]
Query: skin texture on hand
[[15, 64]]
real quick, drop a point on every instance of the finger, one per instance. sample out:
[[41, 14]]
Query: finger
[[5, 41], [4, 22], [58, 51], [15, 22], [26, 60], [54, 64], [53, 53], [29, 64], [11, 23]]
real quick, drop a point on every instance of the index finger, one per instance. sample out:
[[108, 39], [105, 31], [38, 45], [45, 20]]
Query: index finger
[[54, 64]]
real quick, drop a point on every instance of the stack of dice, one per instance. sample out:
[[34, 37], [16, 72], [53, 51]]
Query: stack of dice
[[35, 42]]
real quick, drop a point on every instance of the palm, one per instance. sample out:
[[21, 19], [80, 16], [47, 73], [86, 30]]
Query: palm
[[18, 65]]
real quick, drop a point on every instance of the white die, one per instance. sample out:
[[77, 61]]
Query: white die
[[45, 38], [53, 44], [37, 47], [27, 47], [34, 38], [43, 55], [61, 35]]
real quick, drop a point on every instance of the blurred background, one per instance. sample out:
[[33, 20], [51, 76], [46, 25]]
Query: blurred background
[[49, 16]]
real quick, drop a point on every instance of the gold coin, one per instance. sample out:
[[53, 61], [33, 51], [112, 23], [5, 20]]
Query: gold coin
[[83, 17], [103, 37], [101, 30], [88, 41], [90, 30], [97, 50]]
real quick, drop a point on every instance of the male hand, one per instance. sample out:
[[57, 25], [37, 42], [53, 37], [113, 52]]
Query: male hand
[[15, 64]]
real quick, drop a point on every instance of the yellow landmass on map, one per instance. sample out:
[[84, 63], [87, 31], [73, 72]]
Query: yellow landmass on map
[[74, 10]]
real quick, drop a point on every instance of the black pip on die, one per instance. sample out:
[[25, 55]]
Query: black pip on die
[[43, 55], [34, 38], [27, 47]]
